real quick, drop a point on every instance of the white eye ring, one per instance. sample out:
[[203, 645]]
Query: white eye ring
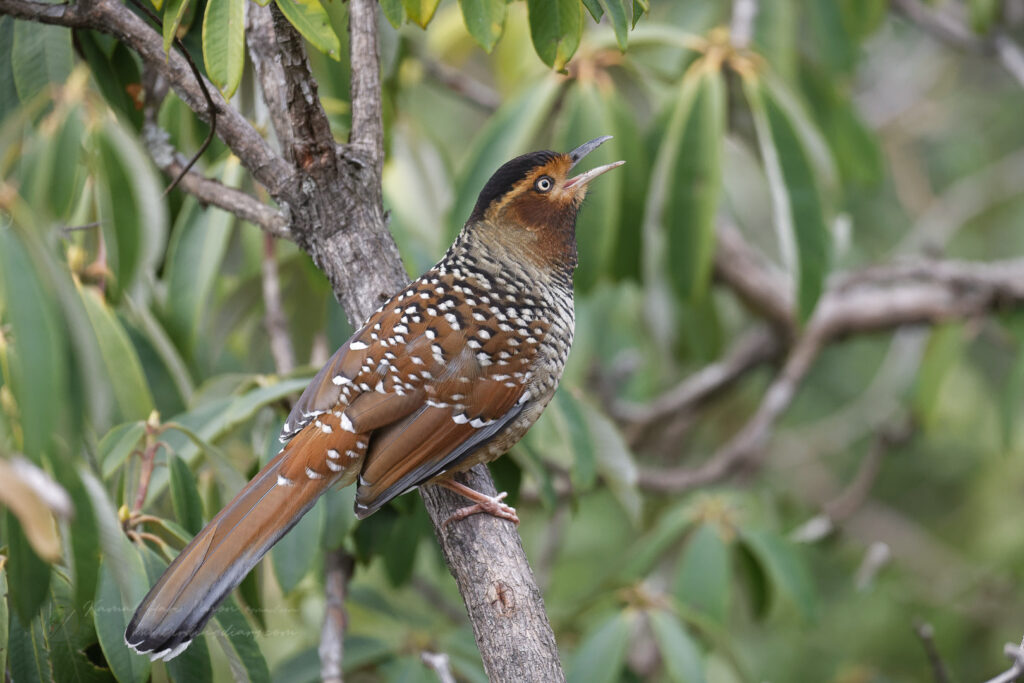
[[543, 184]]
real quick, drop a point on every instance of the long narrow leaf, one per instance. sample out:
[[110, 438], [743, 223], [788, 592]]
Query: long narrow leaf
[[224, 43]]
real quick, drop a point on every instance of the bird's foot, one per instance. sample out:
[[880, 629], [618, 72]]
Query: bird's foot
[[492, 506]]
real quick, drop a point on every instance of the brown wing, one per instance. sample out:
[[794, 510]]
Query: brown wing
[[432, 376]]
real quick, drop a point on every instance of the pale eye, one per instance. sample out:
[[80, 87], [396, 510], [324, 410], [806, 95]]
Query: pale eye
[[544, 183]]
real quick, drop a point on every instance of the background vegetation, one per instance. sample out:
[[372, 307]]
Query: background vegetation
[[730, 486]]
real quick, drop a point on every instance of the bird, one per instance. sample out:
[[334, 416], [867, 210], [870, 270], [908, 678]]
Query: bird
[[448, 373]]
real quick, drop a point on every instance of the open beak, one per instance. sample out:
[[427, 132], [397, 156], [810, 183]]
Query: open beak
[[583, 150]]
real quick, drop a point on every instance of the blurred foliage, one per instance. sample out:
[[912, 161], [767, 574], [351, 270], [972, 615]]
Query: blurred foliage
[[131, 335]]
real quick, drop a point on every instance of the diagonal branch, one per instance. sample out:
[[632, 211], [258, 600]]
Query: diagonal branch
[[207, 190], [113, 18]]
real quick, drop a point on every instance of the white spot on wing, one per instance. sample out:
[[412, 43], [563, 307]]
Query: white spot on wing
[[358, 346]]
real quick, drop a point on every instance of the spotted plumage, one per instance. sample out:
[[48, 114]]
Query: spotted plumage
[[448, 373]]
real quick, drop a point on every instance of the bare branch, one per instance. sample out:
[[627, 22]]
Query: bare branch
[[926, 634], [1016, 655], [870, 300], [751, 350], [111, 17], [274, 320], [207, 190], [367, 134], [753, 279], [953, 30], [338, 570], [461, 83], [439, 663]]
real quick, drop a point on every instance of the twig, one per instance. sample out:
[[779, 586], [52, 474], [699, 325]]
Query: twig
[[751, 350], [114, 19], [338, 570], [207, 190], [461, 83], [845, 504], [764, 290], [439, 663], [274, 320], [211, 109], [869, 300], [741, 29], [1016, 654], [953, 31], [926, 634]]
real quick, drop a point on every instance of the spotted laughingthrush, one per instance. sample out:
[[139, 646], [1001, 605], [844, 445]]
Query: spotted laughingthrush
[[449, 373]]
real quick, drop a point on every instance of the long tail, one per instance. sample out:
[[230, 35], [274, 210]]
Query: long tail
[[225, 550]]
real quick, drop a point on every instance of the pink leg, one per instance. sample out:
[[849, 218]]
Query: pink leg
[[483, 503]]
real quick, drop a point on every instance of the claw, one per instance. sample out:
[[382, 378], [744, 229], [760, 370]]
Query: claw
[[492, 506]]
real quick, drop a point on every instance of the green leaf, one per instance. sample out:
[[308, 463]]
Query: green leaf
[[236, 639], [224, 43], [615, 462], [798, 212], [37, 364], [172, 20], [112, 74], [132, 212], [420, 11], [29, 658], [1010, 401], [555, 28], [649, 548], [703, 580], [619, 14], [310, 19], [118, 444], [85, 537], [602, 653], [393, 12], [69, 632], [115, 604], [595, 9], [508, 133], [188, 507], [195, 431], [679, 654], [945, 348], [298, 551], [27, 574], [195, 254], [584, 471], [485, 20], [8, 91], [781, 562], [40, 55], [686, 181], [119, 358]]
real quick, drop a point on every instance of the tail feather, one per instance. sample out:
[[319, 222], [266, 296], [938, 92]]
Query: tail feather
[[181, 603]]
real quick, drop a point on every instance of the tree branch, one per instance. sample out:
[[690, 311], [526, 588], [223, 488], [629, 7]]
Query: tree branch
[[367, 135], [954, 31], [870, 300], [208, 191]]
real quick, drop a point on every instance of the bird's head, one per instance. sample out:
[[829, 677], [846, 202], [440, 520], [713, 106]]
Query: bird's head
[[530, 203]]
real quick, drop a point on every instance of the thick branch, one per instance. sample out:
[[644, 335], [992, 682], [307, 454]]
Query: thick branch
[[753, 280]]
